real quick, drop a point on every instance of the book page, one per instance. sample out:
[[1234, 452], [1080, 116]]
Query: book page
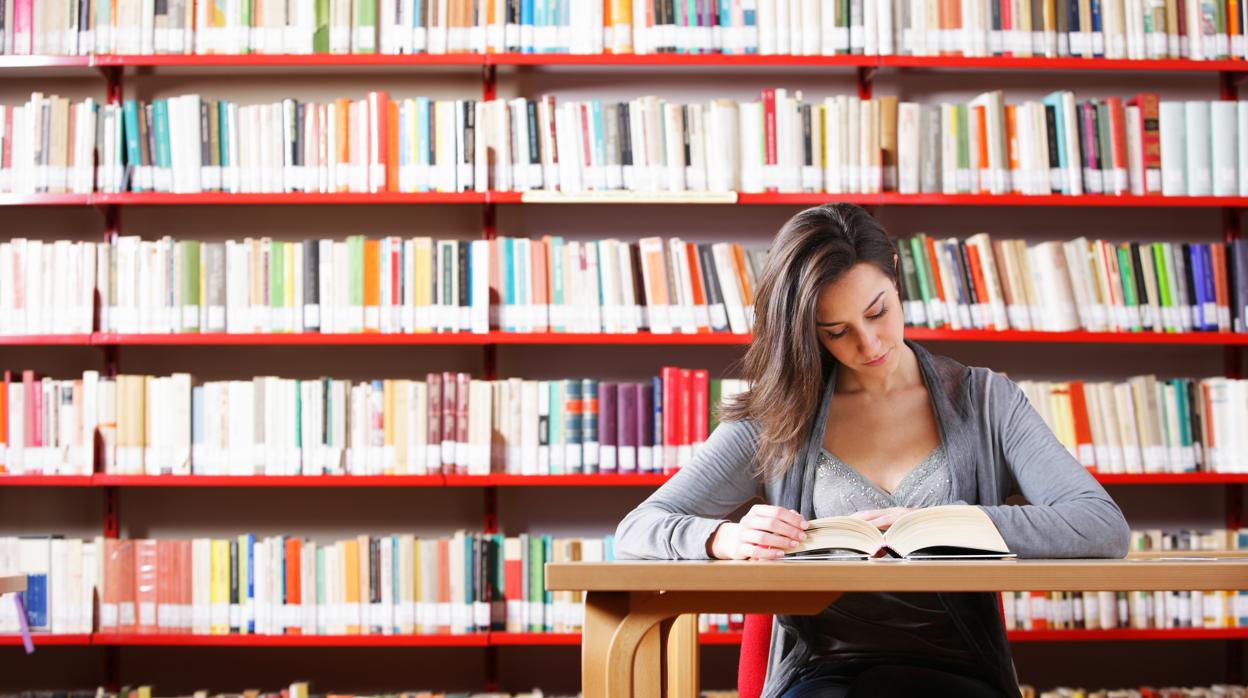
[[951, 526]]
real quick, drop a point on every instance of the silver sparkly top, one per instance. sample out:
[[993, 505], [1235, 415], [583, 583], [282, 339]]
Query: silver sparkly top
[[840, 490], [863, 629]]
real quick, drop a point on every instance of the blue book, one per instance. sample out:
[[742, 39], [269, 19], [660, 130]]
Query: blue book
[[526, 26], [422, 143], [1054, 99], [656, 441], [1098, 37], [725, 25], [507, 248], [134, 149], [572, 432], [1195, 262], [249, 609], [1211, 293], [548, 546], [749, 29], [223, 118], [164, 155], [589, 424]]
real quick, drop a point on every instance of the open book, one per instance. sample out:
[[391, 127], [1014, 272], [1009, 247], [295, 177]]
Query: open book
[[951, 531]]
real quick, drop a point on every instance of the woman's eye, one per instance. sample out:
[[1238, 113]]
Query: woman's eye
[[882, 313], [837, 335]]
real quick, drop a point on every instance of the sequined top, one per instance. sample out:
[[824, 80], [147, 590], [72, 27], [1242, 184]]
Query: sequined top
[[868, 628]]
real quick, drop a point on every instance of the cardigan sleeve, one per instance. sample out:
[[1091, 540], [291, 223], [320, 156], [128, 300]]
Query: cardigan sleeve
[[1068, 514], [676, 521]]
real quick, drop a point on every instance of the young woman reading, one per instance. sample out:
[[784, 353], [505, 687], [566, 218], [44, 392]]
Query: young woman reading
[[845, 417]]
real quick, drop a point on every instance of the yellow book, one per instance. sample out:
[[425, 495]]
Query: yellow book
[[421, 278], [351, 597], [400, 395], [219, 594]]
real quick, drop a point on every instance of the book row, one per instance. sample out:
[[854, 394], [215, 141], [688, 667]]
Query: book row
[[387, 285], [781, 142], [1088, 28], [275, 585], [996, 284], [448, 423], [1146, 424], [1214, 691], [1055, 610], [298, 689]]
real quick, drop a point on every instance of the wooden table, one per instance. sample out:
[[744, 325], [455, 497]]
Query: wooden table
[[12, 584], [640, 637]]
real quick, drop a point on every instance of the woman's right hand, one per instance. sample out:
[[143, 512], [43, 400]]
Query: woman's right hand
[[766, 532]]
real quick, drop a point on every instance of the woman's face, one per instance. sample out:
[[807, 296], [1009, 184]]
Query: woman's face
[[858, 319]]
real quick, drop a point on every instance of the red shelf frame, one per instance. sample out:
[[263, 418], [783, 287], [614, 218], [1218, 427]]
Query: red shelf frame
[[508, 198], [179, 640], [492, 480], [1115, 634], [988, 63], [42, 639], [46, 340]]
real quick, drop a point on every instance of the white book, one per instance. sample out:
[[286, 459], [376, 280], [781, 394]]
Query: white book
[[1196, 119], [1171, 118], [1225, 147]]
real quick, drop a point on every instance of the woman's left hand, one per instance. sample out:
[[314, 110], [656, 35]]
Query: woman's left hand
[[881, 518]]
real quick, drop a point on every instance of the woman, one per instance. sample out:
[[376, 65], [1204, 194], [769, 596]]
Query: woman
[[844, 417]]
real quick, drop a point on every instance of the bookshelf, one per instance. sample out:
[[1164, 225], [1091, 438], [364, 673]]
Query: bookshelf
[[119, 74]]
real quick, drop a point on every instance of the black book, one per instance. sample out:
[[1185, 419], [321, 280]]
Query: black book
[[968, 280], [464, 291], [234, 570], [626, 136], [714, 294], [470, 131], [535, 143], [301, 115], [1141, 288], [311, 286], [1055, 162], [1188, 280]]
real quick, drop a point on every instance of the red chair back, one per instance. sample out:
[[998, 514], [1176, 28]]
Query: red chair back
[[755, 644]]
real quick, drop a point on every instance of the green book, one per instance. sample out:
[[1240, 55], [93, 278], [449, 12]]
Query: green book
[[277, 281], [321, 599], [922, 269], [715, 394], [962, 129], [320, 34], [364, 24], [910, 283], [1126, 272], [355, 283], [1104, 147], [188, 258], [537, 583], [1161, 263], [164, 156]]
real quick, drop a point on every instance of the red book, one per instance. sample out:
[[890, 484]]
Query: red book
[[701, 406], [684, 446], [378, 115], [450, 413], [122, 567], [433, 462], [1118, 146], [461, 422], [33, 421], [1221, 295], [292, 604], [1149, 105], [702, 316], [513, 584], [392, 146], [1083, 426], [444, 580], [769, 134], [981, 286], [585, 141], [146, 577], [670, 376], [166, 585], [931, 254]]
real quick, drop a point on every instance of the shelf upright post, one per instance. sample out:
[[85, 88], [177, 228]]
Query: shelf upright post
[[1236, 651], [489, 371]]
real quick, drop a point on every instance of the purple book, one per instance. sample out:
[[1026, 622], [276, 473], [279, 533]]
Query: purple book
[[607, 438], [626, 427], [645, 428]]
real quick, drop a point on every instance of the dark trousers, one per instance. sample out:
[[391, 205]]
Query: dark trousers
[[888, 681]]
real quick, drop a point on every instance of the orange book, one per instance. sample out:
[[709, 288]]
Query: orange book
[[372, 285], [538, 252], [293, 602], [166, 585], [935, 266], [351, 590], [1011, 140], [747, 291], [392, 146], [981, 286], [342, 158], [122, 565], [700, 309], [1221, 294], [1083, 426]]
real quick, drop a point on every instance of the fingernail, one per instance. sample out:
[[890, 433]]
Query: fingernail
[[792, 544], [803, 535]]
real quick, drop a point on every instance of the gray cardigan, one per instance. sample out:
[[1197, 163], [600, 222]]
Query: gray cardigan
[[997, 446]]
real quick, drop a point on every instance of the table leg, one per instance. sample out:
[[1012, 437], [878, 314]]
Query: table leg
[[604, 612], [680, 640]]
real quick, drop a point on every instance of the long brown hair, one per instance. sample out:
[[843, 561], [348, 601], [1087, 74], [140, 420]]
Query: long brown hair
[[785, 364]]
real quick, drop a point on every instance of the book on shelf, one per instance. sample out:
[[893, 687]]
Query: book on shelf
[[943, 532], [448, 423], [1049, 28], [1140, 610], [289, 585], [782, 142]]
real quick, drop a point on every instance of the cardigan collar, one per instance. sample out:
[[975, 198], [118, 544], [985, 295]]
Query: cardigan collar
[[948, 392]]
